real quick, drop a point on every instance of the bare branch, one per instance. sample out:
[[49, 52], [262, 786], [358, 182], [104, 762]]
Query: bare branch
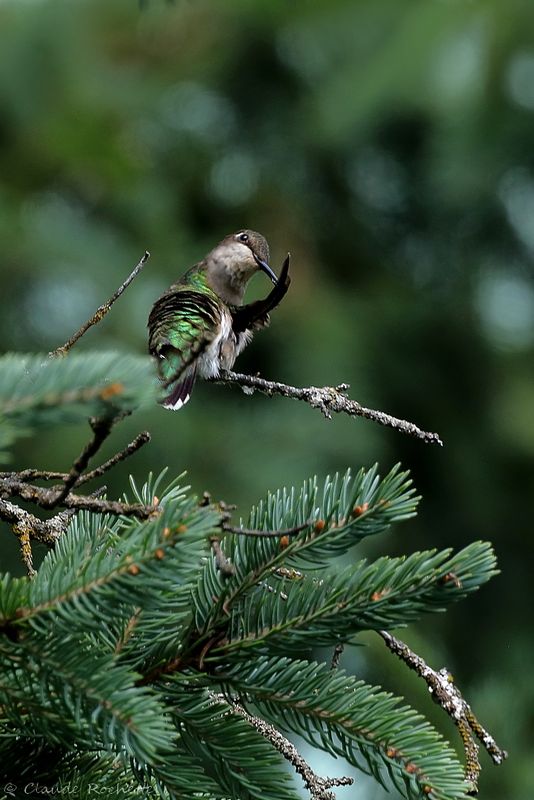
[[446, 694], [34, 475], [135, 445], [115, 507], [48, 475], [225, 567], [318, 787], [336, 655], [327, 399], [11, 487], [26, 527], [101, 428], [101, 311], [23, 532]]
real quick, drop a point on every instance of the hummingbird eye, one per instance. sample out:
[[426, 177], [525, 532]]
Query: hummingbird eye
[[243, 237]]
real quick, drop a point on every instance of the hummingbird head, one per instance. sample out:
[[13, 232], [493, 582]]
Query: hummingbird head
[[257, 244], [233, 262]]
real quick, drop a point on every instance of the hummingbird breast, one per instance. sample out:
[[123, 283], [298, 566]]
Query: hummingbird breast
[[223, 350]]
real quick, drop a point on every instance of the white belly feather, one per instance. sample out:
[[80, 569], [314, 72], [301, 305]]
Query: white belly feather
[[223, 350]]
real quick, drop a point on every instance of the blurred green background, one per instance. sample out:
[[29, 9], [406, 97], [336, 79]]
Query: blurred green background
[[390, 147]]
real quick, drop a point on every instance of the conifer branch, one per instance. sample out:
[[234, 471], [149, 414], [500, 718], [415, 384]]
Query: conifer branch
[[266, 534], [448, 696], [350, 719], [128, 630], [120, 606], [101, 311], [16, 484], [318, 787], [327, 399], [27, 526], [63, 398]]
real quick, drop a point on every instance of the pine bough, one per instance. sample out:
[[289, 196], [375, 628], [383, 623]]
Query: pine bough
[[151, 653], [123, 658]]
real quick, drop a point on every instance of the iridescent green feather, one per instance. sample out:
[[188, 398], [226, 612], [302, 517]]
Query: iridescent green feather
[[181, 325]]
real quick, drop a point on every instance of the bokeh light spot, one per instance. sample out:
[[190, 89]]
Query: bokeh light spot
[[234, 178], [378, 179], [505, 304], [516, 191], [519, 80], [192, 108]]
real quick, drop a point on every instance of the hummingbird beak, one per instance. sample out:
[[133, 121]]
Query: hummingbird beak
[[263, 265]]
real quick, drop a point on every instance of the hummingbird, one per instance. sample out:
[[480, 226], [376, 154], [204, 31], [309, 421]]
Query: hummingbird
[[199, 325]]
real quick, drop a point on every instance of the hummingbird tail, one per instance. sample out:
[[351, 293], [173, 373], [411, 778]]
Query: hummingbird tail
[[181, 391]]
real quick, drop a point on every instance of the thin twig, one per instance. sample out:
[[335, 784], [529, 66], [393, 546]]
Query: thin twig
[[11, 484], [159, 671], [48, 475], [225, 567], [34, 475], [27, 526], [318, 787], [135, 445], [327, 399], [45, 531], [101, 428], [45, 498], [266, 534], [24, 536], [336, 655], [448, 696], [101, 311]]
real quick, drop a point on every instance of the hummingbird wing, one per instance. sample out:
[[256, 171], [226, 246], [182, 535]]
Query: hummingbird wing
[[256, 314], [181, 325]]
